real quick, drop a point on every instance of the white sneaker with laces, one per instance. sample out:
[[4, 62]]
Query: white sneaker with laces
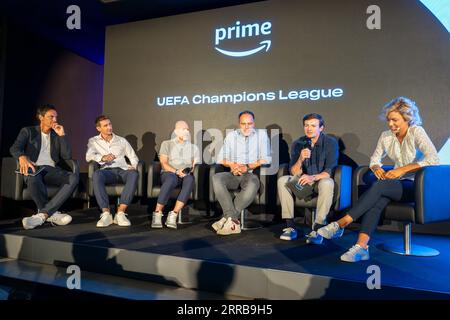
[[157, 220], [34, 221], [121, 219], [231, 226], [171, 221], [105, 220], [219, 224], [59, 219], [289, 234], [331, 231], [355, 254], [314, 238]]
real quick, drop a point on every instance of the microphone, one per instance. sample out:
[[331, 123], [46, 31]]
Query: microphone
[[307, 144]]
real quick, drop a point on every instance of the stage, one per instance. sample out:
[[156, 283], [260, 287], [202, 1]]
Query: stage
[[253, 265]]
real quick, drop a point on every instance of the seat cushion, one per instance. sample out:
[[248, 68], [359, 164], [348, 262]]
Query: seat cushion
[[400, 212]]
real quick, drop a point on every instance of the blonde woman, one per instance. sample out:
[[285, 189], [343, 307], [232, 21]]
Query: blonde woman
[[407, 144]]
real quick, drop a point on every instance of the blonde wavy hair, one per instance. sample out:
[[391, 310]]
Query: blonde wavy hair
[[406, 107]]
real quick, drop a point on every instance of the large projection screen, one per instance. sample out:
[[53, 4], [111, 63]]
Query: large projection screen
[[282, 60]]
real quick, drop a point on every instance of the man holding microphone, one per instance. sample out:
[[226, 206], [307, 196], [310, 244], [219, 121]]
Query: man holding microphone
[[313, 160]]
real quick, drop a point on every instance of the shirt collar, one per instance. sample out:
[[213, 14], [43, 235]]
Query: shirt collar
[[178, 143], [242, 135], [101, 138]]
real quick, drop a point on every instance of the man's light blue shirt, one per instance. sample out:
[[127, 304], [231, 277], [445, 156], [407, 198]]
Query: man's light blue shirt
[[241, 149]]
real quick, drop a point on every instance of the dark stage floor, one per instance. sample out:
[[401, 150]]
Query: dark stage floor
[[259, 248]]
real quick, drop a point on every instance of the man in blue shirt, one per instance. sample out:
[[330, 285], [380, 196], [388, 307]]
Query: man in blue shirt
[[313, 161], [243, 151]]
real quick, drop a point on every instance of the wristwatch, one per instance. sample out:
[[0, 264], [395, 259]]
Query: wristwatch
[[248, 167], [314, 178]]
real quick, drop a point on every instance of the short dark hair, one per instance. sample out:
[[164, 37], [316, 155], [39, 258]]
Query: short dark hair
[[100, 118], [246, 112], [42, 109], [314, 116]]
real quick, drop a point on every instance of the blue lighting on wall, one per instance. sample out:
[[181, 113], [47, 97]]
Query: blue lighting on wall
[[441, 9]]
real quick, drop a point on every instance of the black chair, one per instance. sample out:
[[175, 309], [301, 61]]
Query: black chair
[[260, 198], [14, 187], [154, 186], [431, 193], [114, 190], [342, 190]]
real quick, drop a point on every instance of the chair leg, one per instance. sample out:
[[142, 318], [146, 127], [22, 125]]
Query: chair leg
[[248, 225], [181, 220], [89, 203], [407, 248]]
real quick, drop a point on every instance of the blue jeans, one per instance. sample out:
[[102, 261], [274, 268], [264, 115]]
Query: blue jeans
[[55, 176], [373, 201], [114, 176], [170, 181]]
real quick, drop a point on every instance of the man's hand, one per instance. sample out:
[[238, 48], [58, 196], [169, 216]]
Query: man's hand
[[235, 169], [24, 164], [306, 179], [108, 157], [394, 174], [379, 172], [131, 168], [59, 129], [305, 154], [180, 173]]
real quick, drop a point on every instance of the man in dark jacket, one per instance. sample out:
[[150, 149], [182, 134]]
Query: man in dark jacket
[[313, 161], [40, 149]]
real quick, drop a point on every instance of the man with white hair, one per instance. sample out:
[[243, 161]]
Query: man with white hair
[[178, 158]]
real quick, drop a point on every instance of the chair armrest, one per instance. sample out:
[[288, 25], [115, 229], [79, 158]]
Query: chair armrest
[[201, 177], [343, 183], [141, 171], [432, 194], [93, 166], [12, 183], [263, 192], [283, 170], [74, 166], [153, 177]]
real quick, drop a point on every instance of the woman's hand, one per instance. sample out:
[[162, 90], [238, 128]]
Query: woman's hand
[[379, 172], [394, 174]]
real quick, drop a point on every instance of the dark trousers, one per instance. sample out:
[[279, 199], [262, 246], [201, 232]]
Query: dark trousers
[[54, 176], [170, 181], [373, 201], [114, 176]]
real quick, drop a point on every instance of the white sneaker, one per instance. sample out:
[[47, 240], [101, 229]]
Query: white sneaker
[[121, 219], [219, 224], [34, 221], [60, 219], [157, 220], [314, 238], [171, 221], [105, 220], [331, 231], [355, 254], [289, 234], [231, 226]]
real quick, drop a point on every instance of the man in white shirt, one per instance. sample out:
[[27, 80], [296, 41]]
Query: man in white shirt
[[40, 149], [109, 151]]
